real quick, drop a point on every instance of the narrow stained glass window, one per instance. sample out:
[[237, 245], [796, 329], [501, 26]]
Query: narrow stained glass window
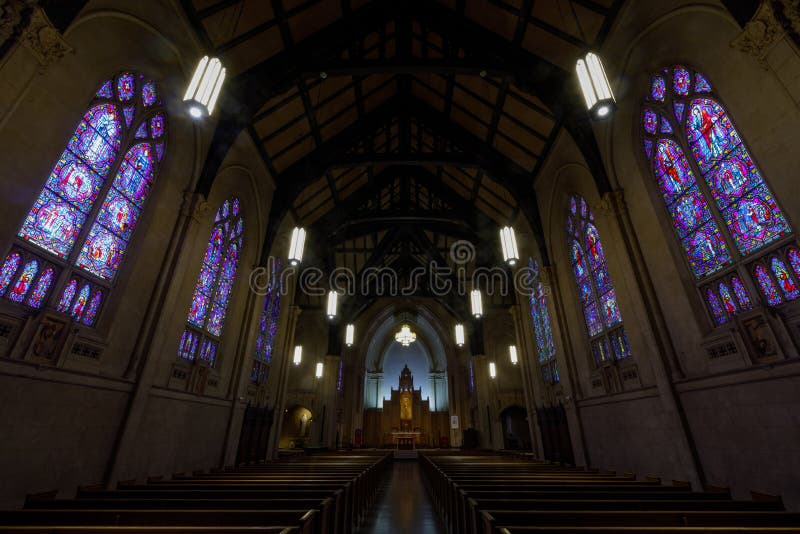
[[541, 323], [268, 325], [213, 288], [9, 269], [596, 290], [24, 282], [729, 212]]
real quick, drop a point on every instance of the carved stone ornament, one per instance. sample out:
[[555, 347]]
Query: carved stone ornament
[[44, 40], [194, 206], [11, 18], [611, 203], [760, 34]]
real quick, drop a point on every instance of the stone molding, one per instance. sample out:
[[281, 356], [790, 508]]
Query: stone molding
[[43, 40], [763, 31]]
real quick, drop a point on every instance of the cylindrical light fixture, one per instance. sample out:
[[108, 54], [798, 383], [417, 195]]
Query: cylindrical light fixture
[[508, 240], [296, 246], [512, 353], [460, 335], [477, 304], [349, 334], [332, 299], [318, 372], [298, 354], [594, 84], [492, 370], [205, 87]]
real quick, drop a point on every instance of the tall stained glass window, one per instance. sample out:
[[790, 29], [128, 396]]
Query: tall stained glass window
[[83, 219], [722, 210], [268, 325], [541, 325], [596, 290], [212, 291]]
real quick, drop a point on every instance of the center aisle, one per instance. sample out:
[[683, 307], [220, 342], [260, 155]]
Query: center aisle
[[403, 506]]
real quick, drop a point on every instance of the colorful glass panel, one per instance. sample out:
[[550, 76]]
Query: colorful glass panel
[[785, 281], [188, 345], [106, 90], [666, 127], [141, 131], [728, 304], [681, 81], [471, 369], [648, 147], [689, 212], [208, 351], [677, 107], [126, 86], [768, 287], [135, 175], [594, 246], [673, 174], [611, 315], [540, 315], [268, 325], [593, 323], [9, 269], [619, 342], [128, 114], [650, 121], [118, 215], [97, 138], [52, 224], [710, 133], [157, 125], [658, 88], [794, 260], [24, 281], [149, 94], [41, 288], [67, 296], [706, 250], [715, 306], [159, 151], [94, 306], [102, 253], [741, 293], [755, 220], [578, 263], [80, 303], [601, 350], [74, 181], [701, 85]]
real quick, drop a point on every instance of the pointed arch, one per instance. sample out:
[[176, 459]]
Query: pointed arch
[[214, 285], [728, 215], [65, 230], [598, 298]]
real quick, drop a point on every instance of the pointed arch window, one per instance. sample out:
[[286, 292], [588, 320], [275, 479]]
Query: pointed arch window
[[596, 290], [79, 227], [200, 339], [722, 210], [268, 326], [540, 315]]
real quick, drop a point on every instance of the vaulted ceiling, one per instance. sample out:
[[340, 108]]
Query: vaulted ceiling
[[394, 126]]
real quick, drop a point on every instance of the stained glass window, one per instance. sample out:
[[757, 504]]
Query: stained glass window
[[730, 211], [541, 321], [9, 269], [596, 290], [268, 325], [24, 281], [63, 215], [471, 376], [217, 273]]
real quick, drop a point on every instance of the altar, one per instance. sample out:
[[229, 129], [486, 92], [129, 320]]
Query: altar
[[406, 420]]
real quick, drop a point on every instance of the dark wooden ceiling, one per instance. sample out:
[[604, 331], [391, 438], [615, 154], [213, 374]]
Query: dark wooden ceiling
[[453, 100]]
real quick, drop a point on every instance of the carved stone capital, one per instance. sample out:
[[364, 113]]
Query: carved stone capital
[[760, 34], [12, 15], [43, 40], [194, 206]]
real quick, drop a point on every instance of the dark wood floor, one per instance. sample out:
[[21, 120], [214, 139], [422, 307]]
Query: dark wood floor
[[403, 506]]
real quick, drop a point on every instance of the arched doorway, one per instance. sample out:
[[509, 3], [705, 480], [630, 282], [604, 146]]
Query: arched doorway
[[516, 435], [296, 427]]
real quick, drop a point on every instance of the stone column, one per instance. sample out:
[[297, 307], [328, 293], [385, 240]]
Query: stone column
[[528, 358], [281, 363], [327, 396], [665, 365]]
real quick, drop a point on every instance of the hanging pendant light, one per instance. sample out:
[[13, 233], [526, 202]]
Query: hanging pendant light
[[349, 335], [594, 84], [512, 353], [508, 241], [477, 304], [205, 87], [405, 336], [492, 370], [296, 246], [460, 335], [333, 297], [298, 354], [318, 372]]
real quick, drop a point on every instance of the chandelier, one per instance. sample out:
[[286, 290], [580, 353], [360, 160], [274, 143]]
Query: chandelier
[[405, 336]]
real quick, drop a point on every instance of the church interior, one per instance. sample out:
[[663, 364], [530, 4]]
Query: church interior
[[369, 266]]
